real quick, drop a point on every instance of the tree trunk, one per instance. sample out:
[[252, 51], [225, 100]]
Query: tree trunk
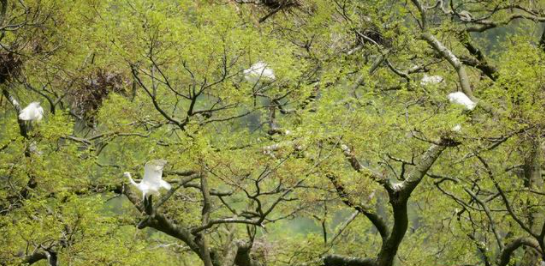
[[532, 181]]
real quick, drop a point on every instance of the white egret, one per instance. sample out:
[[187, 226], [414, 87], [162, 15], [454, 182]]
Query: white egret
[[462, 99], [33, 112], [457, 128], [152, 182], [430, 80], [259, 71]]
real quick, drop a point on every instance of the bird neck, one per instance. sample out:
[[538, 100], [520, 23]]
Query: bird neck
[[131, 180]]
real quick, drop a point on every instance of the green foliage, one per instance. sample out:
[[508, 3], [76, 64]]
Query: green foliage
[[125, 82]]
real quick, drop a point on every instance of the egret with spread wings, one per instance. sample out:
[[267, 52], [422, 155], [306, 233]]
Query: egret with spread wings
[[152, 182]]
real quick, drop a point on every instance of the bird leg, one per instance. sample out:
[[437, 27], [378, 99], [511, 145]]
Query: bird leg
[[149, 210], [148, 205]]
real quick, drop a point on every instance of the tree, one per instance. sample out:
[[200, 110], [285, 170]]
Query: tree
[[345, 157]]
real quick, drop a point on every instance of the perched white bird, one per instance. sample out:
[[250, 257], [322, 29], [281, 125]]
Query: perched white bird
[[259, 72], [457, 128], [33, 112], [430, 80], [153, 181], [462, 99]]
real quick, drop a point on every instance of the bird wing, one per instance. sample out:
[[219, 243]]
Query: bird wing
[[25, 113], [153, 172], [39, 113], [33, 111], [165, 185]]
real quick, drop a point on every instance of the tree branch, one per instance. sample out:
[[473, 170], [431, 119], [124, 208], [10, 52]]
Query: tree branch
[[377, 221], [505, 255], [422, 167], [22, 126], [336, 260]]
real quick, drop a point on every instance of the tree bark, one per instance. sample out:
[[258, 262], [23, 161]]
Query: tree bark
[[22, 126], [532, 181]]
